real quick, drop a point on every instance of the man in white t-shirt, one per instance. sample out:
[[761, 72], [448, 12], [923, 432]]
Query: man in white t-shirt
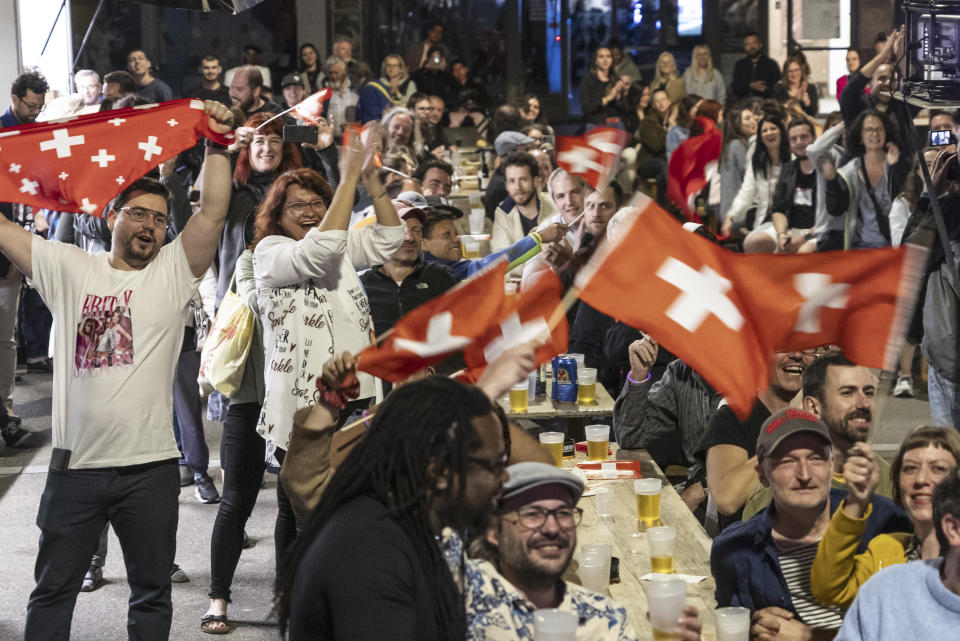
[[119, 328]]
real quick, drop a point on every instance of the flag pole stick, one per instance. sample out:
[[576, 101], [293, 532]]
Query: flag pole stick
[[275, 117], [568, 300]]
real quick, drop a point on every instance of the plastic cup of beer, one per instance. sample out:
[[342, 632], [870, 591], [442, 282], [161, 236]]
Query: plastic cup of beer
[[476, 221], [733, 624], [604, 502], [594, 566], [663, 549], [598, 442], [648, 501], [518, 397], [551, 624], [553, 442], [665, 601], [471, 247], [587, 385]]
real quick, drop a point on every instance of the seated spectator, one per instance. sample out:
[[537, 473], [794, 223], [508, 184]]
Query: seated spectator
[[342, 106], [118, 85], [343, 49], [392, 89], [794, 85], [739, 127], [666, 77], [210, 87], [310, 68], [636, 104], [522, 210], [702, 78], [435, 176], [467, 88], [760, 181], [853, 63], [601, 92], [652, 153], [86, 100], [545, 165], [433, 77], [764, 564], [623, 65], [755, 74], [532, 113], [396, 129], [292, 90], [683, 116], [880, 611], [793, 209], [843, 396], [149, 88], [926, 456], [251, 58], [864, 194], [438, 112], [506, 143]]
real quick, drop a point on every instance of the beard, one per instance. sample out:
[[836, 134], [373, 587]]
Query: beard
[[133, 250], [849, 432]]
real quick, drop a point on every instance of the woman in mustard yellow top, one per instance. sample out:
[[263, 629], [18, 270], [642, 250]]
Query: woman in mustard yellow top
[[925, 457]]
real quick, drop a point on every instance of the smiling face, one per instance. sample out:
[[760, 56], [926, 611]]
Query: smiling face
[[667, 65], [770, 134], [436, 182], [138, 242], [567, 193], [661, 101], [849, 395], [787, 371], [748, 122], [293, 94], [532, 112], [794, 73], [534, 556], [210, 70], [409, 251], [308, 56], [881, 83], [303, 210], [798, 472], [873, 133], [137, 63], [398, 131], [88, 87], [922, 469], [701, 56], [343, 50], [266, 152], [853, 61], [800, 138], [443, 241], [241, 94]]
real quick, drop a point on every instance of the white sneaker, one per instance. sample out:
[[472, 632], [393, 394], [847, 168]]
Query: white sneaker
[[904, 387]]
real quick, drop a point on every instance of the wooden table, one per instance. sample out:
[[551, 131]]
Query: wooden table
[[631, 547], [544, 408]]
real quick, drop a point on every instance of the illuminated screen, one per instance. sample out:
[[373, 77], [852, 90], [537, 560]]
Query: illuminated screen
[[689, 17]]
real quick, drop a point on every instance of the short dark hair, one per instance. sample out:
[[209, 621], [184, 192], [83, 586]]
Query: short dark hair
[[946, 500], [211, 57], [432, 163], [521, 159], [753, 33], [614, 43], [436, 215], [938, 112], [144, 184], [945, 438], [802, 122], [415, 98], [815, 374], [122, 78], [855, 131], [32, 80]]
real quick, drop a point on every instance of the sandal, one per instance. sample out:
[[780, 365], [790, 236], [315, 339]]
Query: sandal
[[208, 621]]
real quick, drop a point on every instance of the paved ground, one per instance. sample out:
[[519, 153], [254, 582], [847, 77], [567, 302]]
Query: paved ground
[[101, 615]]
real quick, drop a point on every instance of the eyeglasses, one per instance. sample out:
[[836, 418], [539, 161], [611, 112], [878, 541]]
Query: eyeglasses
[[494, 467], [30, 105], [534, 518], [299, 208], [873, 130], [140, 215]]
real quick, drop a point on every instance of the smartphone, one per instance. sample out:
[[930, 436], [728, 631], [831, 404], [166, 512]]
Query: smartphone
[[940, 138], [297, 133]]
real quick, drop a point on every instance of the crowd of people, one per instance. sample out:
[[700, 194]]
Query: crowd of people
[[446, 520]]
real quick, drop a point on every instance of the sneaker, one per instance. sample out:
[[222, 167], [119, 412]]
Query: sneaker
[[247, 541], [93, 579], [206, 491], [14, 435], [43, 366], [186, 476], [904, 387], [177, 575]]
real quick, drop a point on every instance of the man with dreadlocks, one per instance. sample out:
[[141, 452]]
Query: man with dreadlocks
[[370, 561]]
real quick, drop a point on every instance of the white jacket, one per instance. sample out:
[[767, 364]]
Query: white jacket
[[507, 229]]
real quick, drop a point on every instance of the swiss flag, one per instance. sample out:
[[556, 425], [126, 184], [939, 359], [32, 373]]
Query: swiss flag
[[724, 314], [523, 319], [438, 328], [311, 107], [80, 163], [689, 166], [593, 156]]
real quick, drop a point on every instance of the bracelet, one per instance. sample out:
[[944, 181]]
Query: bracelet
[[537, 237], [213, 144], [630, 378]]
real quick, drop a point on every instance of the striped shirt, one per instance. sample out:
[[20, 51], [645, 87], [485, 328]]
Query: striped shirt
[[795, 564]]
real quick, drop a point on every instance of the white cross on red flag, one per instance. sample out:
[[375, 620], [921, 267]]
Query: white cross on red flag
[[438, 328], [311, 107], [593, 156], [523, 319], [80, 163], [724, 314]]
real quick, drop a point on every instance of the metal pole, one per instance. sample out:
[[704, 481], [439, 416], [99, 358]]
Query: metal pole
[[513, 29], [86, 36]]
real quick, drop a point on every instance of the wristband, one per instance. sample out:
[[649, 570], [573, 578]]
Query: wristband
[[630, 378], [213, 144], [537, 237]]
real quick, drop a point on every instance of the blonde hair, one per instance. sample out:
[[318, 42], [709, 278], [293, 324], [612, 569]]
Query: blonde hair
[[404, 76], [658, 78], [698, 72]]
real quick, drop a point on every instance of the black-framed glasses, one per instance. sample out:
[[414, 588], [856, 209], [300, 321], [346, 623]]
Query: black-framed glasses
[[30, 105], [495, 467], [299, 208], [141, 214], [534, 518]]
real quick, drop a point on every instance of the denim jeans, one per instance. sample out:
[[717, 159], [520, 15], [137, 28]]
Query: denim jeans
[[9, 304], [140, 502], [944, 401], [188, 408]]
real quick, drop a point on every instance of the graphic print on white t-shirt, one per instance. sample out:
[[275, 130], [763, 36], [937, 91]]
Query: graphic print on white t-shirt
[[104, 335]]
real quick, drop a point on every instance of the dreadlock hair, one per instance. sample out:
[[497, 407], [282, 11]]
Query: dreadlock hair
[[422, 430]]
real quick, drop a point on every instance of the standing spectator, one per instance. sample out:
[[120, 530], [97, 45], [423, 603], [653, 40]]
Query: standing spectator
[[652, 133], [86, 100], [343, 49], [755, 74], [623, 64], [251, 58], [738, 128], [601, 90], [636, 104], [342, 106], [667, 77], [292, 90], [149, 88], [532, 111], [246, 89], [418, 54], [310, 67], [433, 78], [771, 152], [794, 86], [853, 63], [393, 89], [702, 79], [119, 84], [210, 87]]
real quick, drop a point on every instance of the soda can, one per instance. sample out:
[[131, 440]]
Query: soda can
[[565, 386]]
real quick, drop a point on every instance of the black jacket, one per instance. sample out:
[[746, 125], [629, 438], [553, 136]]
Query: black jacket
[[592, 91], [389, 301], [783, 194], [746, 71], [853, 102]]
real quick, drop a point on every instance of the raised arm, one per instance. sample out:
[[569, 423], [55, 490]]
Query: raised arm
[[202, 233], [15, 242], [731, 476]]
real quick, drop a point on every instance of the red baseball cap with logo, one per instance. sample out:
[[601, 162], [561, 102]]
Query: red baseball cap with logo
[[786, 423]]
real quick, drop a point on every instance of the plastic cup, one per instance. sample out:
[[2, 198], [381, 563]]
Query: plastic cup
[[551, 624], [532, 379], [663, 548], [648, 501], [553, 443], [598, 442], [580, 358], [518, 397], [594, 566], [665, 601], [604, 502], [587, 385], [476, 221], [471, 247], [510, 288], [733, 624]]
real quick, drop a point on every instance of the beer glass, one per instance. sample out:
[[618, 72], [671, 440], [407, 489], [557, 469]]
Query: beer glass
[[553, 442], [663, 547], [598, 441], [594, 566], [587, 382], [648, 501], [665, 601], [733, 624], [518, 397]]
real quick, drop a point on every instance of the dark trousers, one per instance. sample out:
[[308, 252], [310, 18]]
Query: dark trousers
[[34, 324], [141, 504], [242, 459], [655, 168], [188, 408], [285, 531]]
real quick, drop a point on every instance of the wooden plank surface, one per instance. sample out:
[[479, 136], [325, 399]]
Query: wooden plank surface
[[544, 408], [632, 547]]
